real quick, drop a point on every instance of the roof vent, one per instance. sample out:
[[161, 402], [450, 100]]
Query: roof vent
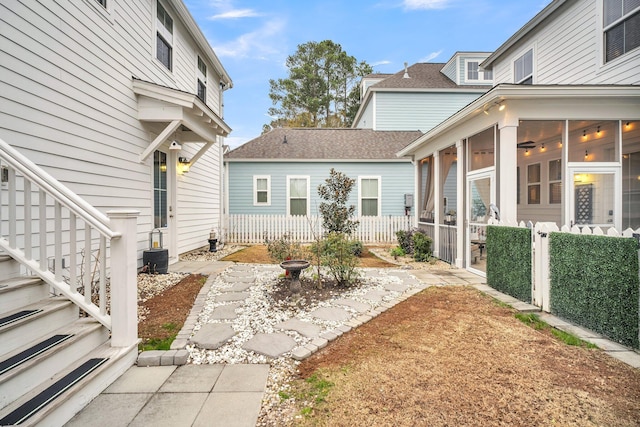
[[406, 72]]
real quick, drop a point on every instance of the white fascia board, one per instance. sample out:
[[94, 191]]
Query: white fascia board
[[437, 90], [510, 91]]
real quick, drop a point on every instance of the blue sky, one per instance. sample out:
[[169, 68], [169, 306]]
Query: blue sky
[[253, 39]]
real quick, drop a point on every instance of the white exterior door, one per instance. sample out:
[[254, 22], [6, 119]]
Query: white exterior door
[[480, 195], [593, 196]]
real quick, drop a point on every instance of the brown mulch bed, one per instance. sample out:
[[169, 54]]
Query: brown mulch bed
[[169, 310], [453, 357]]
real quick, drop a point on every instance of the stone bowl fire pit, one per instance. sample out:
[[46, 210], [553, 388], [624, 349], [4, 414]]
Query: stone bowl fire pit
[[295, 267]]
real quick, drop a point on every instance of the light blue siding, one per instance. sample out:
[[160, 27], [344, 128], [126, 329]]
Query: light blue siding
[[366, 119], [418, 111], [450, 70], [397, 179]]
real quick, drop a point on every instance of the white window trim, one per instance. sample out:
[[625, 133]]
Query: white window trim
[[379, 178], [481, 73], [519, 55], [534, 183], [255, 190], [168, 37], [601, 59], [202, 77], [553, 181], [105, 12], [289, 178]]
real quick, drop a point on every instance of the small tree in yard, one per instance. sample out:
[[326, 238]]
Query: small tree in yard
[[336, 215]]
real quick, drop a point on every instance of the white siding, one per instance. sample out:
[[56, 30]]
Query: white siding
[[67, 102], [568, 50]]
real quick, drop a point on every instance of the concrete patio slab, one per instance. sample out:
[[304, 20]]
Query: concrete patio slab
[[271, 345], [192, 379], [225, 312], [141, 380], [360, 307], [237, 409], [331, 314], [306, 329], [170, 410], [239, 378], [121, 409]]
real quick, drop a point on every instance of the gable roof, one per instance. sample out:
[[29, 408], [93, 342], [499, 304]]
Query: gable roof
[[423, 75], [324, 144]]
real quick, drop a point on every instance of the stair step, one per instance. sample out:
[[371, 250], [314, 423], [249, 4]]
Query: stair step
[[31, 352], [22, 314], [23, 370], [20, 291], [58, 398], [33, 405], [34, 322]]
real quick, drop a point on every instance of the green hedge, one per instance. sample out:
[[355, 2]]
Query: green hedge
[[509, 261], [594, 283]]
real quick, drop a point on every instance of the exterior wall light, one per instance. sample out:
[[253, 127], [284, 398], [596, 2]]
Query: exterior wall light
[[183, 165]]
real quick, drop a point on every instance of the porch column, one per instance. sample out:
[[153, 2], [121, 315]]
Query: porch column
[[508, 189], [461, 213], [437, 205], [124, 288]]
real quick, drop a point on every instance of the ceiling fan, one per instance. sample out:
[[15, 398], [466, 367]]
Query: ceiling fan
[[526, 144]]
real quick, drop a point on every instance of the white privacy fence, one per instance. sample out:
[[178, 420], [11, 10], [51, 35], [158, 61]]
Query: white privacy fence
[[253, 229]]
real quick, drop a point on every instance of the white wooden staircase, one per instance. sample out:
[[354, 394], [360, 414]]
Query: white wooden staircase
[[65, 335]]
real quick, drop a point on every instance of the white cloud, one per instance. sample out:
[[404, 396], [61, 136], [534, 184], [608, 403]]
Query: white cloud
[[235, 14], [431, 56], [425, 4], [383, 62], [261, 43]]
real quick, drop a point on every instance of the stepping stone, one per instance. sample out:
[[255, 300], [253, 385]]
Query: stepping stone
[[247, 279], [271, 345], [372, 273], [406, 279], [306, 329], [238, 287], [331, 314], [396, 287], [225, 312], [239, 267], [213, 335], [232, 296], [241, 273], [375, 295], [360, 307]]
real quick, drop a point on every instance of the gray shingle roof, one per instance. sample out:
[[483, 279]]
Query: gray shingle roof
[[325, 144], [425, 75]]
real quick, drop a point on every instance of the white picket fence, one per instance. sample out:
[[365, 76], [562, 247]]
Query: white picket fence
[[252, 229]]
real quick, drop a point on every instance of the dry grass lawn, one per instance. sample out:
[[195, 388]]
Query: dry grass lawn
[[453, 357]]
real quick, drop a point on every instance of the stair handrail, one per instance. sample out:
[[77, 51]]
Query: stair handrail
[[57, 190]]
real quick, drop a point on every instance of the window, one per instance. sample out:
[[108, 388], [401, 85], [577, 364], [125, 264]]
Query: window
[[164, 36], [262, 190], [621, 27], [202, 80], [555, 181], [297, 195], [369, 196], [533, 184], [159, 189], [488, 74], [472, 70], [523, 68], [103, 3]]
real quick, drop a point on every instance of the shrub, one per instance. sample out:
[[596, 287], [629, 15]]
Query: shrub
[[356, 247], [397, 251], [404, 241], [509, 261], [336, 215], [421, 246], [337, 255], [284, 248]]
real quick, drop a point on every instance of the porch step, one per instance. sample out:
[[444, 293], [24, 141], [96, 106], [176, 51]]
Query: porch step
[[35, 321], [58, 398], [9, 268], [20, 291], [22, 370]]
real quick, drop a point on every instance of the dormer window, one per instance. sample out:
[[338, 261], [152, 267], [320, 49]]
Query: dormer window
[[164, 37], [523, 68], [476, 74], [202, 80], [621, 27]]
